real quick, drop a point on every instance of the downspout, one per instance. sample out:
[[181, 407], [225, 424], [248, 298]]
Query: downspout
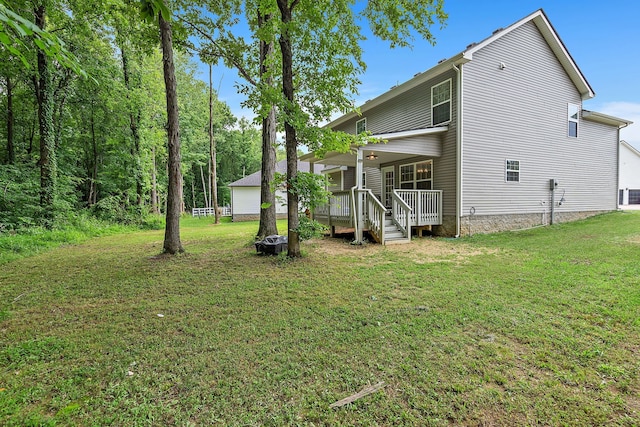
[[459, 141], [355, 213]]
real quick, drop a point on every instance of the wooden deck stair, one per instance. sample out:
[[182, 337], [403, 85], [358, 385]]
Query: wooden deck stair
[[393, 235]]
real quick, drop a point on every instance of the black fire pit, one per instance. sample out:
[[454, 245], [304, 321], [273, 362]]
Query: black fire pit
[[272, 245]]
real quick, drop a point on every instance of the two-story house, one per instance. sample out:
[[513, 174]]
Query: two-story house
[[493, 138]]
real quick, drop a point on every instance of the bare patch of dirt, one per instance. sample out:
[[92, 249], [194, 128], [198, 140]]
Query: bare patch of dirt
[[420, 250], [635, 239]]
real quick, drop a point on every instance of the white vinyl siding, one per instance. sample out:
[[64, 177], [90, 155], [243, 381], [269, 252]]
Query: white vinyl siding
[[373, 180], [410, 111], [246, 201], [520, 112], [441, 103]]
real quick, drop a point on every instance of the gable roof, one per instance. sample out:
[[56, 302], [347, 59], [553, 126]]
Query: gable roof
[[539, 18], [254, 179]]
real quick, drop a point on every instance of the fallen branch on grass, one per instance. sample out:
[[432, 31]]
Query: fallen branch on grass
[[362, 393]]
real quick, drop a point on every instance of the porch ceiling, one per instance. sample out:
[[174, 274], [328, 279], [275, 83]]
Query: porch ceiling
[[349, 159], [397, 146]]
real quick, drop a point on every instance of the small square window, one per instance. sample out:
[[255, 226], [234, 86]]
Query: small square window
[[513, 170]]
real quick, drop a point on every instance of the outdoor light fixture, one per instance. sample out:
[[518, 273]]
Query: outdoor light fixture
[[371, 157]]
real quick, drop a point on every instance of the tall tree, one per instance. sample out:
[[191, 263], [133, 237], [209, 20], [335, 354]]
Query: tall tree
[[158, 8], [268, 225], [291, 141], [134, 118], [11, 153], [172, 243], [47, 162], [213, 153]]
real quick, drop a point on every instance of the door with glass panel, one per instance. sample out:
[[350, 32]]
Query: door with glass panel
[[388, 183]]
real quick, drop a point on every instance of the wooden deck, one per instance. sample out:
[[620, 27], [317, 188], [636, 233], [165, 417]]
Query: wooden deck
[[410, 209]]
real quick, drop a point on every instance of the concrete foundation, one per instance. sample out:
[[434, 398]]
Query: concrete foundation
[[253, 217], [481, 224]]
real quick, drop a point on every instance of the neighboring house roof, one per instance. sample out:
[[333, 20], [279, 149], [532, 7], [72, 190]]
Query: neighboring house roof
[[254, 179], [538, 17], [633, 149]]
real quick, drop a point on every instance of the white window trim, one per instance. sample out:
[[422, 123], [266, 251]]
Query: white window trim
[[435, 105], [415, 173], [362, 120], [571, 120], [507, 170]]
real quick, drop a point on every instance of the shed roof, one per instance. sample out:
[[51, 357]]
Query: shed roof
[[254, 179], [605, 119]]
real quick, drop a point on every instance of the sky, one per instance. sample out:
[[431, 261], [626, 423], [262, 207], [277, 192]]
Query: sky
[[603, 37]]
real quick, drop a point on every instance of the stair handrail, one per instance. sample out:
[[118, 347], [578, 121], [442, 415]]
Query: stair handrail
[[398, 208], [376, 212]]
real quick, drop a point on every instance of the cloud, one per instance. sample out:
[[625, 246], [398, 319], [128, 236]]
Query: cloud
[[628, 111]]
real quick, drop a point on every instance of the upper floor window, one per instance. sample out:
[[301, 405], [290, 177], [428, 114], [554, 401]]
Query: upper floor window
[[512, 171], [361, 125], [416, 176], [441, 103], [573, 114]]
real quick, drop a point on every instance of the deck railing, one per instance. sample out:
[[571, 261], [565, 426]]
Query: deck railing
[[337, 211], [401, 213], [426, 206], [410, 208]]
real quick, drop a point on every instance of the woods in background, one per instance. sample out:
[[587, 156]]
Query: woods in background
[[101, 137]]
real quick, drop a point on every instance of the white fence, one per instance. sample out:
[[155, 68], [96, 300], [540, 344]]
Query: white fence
[[198, 212]]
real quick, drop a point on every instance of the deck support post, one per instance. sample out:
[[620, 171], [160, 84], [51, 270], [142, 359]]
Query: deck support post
[[359, 217]]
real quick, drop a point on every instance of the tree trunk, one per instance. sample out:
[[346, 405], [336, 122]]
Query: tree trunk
[[172, 244], [204, 188], [47, 162], [134, 119], [94, 172], [213, 156], [32, 128], [59, 100], [154, 183], [268, 218], [193, 192], [11, 154], [291, 143]]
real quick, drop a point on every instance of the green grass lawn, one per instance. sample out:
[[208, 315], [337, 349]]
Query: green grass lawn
[[538, 327]]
